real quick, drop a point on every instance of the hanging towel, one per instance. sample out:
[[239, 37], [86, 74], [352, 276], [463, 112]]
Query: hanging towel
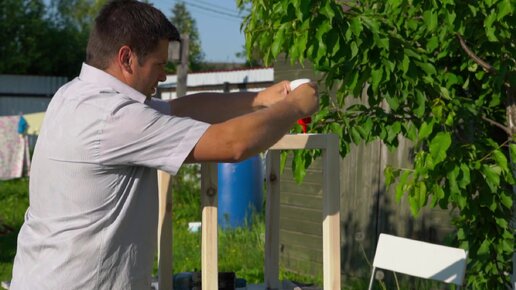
[[12, 148], [34, 121]]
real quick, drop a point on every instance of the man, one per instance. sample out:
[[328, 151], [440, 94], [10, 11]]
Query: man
[[93, 209]]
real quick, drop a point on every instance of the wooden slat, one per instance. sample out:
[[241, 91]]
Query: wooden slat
[[209, 247], [303, 266], [331, 214], [301, 239], [301, 141], [301, 201], [309, 254], [272, 221], [165, 270], [298, 213], [301, 226], [308, 189], [313, 173]]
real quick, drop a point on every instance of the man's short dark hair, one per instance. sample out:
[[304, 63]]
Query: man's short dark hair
[[127, 22]]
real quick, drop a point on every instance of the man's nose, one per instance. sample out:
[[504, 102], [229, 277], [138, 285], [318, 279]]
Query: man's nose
[[162, 76]]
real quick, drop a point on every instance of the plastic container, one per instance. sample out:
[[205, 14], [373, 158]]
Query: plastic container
[[240, 192]]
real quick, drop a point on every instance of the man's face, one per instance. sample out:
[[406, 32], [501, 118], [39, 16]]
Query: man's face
[[147, 75]]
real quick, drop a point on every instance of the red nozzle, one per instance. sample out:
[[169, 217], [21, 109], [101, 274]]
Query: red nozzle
[[304, 122]]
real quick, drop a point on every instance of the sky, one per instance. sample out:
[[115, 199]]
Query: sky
[[218, 25]]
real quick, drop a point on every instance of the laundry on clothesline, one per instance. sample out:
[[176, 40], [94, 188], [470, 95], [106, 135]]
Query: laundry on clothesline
[[14, 153], [22, 125], [34, 121]]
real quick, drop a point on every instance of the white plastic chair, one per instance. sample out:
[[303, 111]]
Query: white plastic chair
[[419, 259]]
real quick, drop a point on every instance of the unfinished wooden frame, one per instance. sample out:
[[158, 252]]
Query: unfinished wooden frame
[[328, 143]]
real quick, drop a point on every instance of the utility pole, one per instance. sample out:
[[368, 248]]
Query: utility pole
[[165, 271], [182, 68]]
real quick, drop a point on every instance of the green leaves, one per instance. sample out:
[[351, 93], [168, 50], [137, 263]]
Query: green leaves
[[439, 145], [426, 129], [492, 176], [298, 165], [356, 26], [430, 19], [427, 67], [504, 8], [500, 160], [278, 43], [376, 78], [490, 29]]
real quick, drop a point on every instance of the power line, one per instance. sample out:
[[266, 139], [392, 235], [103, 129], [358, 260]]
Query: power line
[[217, 7], [210, 14], [212, 10]]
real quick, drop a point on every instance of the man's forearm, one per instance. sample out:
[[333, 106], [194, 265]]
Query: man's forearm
[[244, 136], [214, 107]]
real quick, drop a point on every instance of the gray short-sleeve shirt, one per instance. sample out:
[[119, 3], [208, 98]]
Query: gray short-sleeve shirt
[[93, 209]]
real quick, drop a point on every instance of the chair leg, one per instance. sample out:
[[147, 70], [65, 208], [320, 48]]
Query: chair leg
[[372, 279]]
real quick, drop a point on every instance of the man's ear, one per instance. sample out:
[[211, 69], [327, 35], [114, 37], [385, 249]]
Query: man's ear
[[126, 58]]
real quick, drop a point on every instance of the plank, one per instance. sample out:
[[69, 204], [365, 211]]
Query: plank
[[209, 247], [300, 239], [272, 221], [331, 214], [300, 141], [301, 226], [307, 254], [165, 269], [301, 201]]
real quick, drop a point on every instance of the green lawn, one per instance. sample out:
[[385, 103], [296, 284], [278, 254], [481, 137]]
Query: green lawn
[[14, 201]]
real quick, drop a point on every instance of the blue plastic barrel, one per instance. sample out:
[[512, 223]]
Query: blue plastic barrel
[[240, 192]]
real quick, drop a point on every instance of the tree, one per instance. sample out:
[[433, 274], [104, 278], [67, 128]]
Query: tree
[[22, 28], [70, 20], [252, 59], [441, 73], [44, 40], [75, 14], [184, 22]]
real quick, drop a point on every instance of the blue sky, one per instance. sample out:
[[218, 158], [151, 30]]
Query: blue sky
[[218, 27]]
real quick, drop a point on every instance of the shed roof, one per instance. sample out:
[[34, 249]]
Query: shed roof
[[238, 76]]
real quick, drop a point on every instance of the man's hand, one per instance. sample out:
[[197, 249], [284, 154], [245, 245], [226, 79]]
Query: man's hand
[[272, 94], [305, 99]]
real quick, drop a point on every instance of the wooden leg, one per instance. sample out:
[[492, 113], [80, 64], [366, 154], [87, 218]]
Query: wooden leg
[[209, 263], [272, 221], [165, 271], [331, 214]]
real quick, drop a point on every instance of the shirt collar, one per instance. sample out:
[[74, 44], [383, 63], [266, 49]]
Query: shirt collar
[[100, 77]]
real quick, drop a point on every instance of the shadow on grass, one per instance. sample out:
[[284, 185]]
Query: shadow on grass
[[7, 253]]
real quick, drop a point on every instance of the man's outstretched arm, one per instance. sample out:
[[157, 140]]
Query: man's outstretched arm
[[241, 137], [219, 107]]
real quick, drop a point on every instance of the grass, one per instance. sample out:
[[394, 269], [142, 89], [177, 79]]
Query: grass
[[14, 200]]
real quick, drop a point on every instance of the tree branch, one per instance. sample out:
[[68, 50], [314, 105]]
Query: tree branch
[[494, 123], [489, 68]]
